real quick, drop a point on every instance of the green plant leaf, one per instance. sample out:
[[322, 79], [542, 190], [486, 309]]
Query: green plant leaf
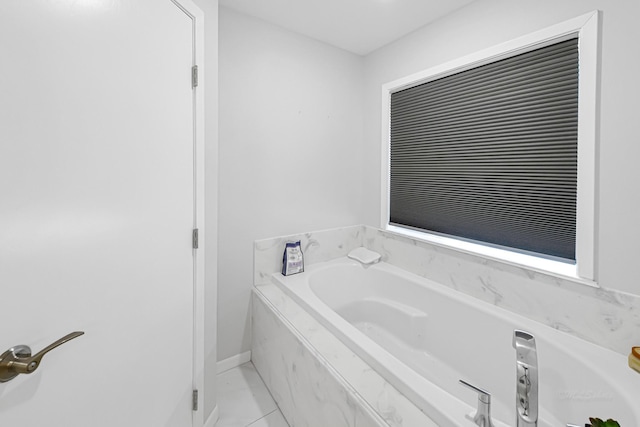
[[597, 422]]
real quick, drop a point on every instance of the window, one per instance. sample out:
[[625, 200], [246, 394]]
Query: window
[[490, 154], [491, 151]]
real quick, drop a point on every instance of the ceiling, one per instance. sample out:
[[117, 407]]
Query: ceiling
[[359, 26]]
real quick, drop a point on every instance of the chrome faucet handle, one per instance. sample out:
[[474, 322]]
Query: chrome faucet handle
[[526, 379], [482, 418]]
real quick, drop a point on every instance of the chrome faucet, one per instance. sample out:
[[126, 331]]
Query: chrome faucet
[[482, 418], [526, 379]]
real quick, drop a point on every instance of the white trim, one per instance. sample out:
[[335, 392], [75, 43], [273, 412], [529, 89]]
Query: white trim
[[587, 28], [199, 327], [233, 361], [197, 17], [588, 131], [385, 158], [213, 418], [507, 49], [550, 267]]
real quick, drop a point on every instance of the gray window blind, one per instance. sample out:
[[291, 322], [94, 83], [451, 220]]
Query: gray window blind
[[490, 154]]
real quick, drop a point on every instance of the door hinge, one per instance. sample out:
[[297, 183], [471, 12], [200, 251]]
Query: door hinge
[[195, 400], [194, 238], [194, 76]]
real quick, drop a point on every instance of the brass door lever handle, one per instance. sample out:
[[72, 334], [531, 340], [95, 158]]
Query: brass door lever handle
[[18, 360]]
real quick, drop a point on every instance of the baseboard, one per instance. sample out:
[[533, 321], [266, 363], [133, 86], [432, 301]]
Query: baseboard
[[213, 418], [233, 361]]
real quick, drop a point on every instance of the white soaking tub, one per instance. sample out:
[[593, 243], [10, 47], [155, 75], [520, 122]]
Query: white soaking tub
[[423, 337]]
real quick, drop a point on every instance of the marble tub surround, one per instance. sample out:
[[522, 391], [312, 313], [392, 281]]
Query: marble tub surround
[[315, 379], [604, 317], [317, 246], [423, 337]]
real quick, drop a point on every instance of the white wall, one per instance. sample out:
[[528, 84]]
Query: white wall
[[210, 9], [294, 158], [290, 150], [485, 23]]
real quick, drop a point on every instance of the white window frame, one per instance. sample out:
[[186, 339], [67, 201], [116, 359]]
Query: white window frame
[[586, 27]]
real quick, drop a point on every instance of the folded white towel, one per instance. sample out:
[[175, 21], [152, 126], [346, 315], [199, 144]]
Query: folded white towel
[[364, 255]]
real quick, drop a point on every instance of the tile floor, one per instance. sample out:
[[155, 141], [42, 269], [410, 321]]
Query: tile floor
[[244, 401]]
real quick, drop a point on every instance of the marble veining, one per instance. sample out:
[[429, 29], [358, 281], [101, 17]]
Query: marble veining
[[606, 317], [300, 381], [602, 316], [316, 380], [316, 246], [423, 337]]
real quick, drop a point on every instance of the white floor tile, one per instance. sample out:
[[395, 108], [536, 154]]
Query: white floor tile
[[274, 419], [242, 397]]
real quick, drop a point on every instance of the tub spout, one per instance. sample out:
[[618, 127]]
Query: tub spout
[[526, 379]]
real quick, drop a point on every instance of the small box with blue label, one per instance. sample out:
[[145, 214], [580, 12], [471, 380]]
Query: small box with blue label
[[292, 259]]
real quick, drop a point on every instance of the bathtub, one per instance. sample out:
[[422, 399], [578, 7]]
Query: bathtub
[[423, 337]]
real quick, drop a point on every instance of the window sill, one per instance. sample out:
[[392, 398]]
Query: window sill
[[541, 265]]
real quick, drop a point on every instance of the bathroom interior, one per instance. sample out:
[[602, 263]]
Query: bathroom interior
[[290, 140]]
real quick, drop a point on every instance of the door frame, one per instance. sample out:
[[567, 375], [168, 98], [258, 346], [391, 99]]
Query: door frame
[[189, 8]]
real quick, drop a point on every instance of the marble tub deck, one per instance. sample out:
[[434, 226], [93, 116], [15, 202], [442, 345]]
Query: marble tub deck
[[606, 317], [316, 379]]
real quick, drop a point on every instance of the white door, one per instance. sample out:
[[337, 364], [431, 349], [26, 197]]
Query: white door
[[96, 211]]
